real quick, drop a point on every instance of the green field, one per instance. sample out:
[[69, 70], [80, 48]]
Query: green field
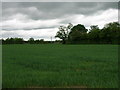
[[52, 65]]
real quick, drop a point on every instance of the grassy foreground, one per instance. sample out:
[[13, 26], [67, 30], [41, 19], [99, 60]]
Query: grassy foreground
[[81, 66]]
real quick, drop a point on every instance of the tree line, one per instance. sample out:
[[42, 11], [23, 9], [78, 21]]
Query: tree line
[[78, 34], [109, 34], [22, 41]]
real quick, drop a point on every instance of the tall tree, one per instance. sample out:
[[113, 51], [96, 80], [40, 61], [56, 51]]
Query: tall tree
[[111, 33], [31, 40], [81, 28], [93, 34], [64, 32], [78, 33]]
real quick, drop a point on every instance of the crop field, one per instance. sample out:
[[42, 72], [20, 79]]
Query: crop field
[[56, 65]]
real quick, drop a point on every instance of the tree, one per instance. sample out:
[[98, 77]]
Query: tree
[[10, 40], [93, 34], [31, 40], [78, 33], [81, 28], [110, 33], [41, 40], [18, 40], [63, 32], [94, 27]]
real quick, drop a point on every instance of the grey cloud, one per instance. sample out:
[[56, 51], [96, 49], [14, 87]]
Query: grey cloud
[[60, 1], [41, 19], [51, 10], [10, 34], [11, 29]]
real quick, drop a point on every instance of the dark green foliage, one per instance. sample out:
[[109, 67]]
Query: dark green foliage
[[81, 28], [21, 41], [31, 40], [34, 66], [39, 41], [13, 41], [78, 33], [93, 35], [110, 34], [63, 32]]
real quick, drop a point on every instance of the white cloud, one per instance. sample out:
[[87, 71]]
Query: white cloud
[[20, 25], [26, 34], [100, 18], [21, 21]]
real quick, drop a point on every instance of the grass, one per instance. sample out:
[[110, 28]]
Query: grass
[[49, 65]]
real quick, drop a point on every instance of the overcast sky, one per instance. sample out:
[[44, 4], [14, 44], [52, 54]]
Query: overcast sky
[[41, 20]]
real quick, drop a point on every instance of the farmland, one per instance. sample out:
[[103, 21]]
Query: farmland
[[56, 65]]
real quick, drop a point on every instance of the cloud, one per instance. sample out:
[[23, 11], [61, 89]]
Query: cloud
[[20, 21], [37, 34], [41, 20], [100, 18], [52, 10]]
